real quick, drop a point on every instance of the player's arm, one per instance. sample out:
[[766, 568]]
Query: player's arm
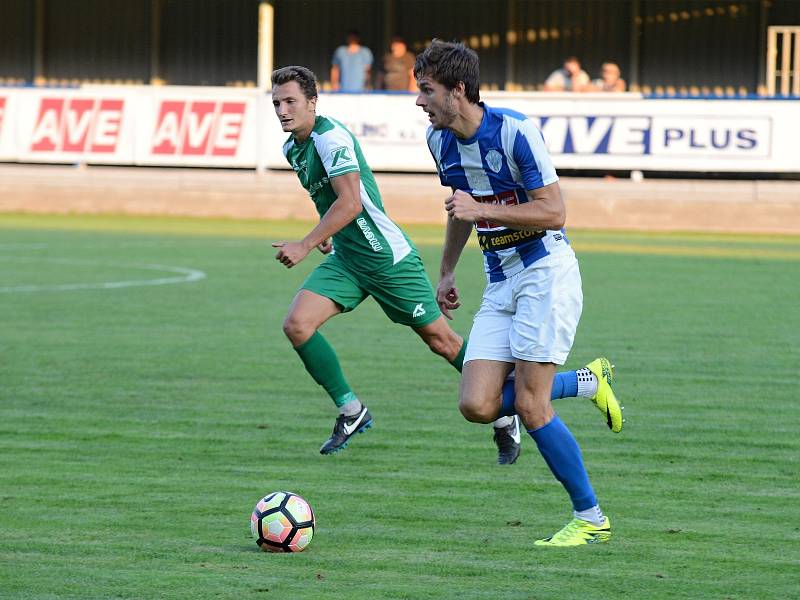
[[456, 235], [545, 209], [346, 208]]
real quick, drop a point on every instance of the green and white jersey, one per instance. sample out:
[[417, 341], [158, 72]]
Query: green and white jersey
[[372, 241]]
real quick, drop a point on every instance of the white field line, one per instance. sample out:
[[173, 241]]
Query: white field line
[[185, 276], [26, 246]]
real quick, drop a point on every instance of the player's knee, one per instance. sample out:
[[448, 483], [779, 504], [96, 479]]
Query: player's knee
[[297, 330], [477, 411]]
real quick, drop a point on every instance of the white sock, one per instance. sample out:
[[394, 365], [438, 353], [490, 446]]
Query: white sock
[[503, 422], [351, 408], [593, 515], [587, 383]]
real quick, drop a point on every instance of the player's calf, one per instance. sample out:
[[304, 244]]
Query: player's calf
[[442, 340]]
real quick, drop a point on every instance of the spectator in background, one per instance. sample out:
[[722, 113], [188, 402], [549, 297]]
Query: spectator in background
[[610, 80], [351, 66], [570, 78], [398, 67]]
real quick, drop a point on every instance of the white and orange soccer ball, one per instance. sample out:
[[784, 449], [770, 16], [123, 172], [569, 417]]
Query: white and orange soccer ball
[[282, 522]]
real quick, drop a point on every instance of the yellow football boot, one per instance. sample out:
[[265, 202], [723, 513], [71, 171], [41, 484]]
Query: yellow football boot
[[578, 532], [604, 399]]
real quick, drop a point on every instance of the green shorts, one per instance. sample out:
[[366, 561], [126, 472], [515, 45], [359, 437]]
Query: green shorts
[[403, 291]]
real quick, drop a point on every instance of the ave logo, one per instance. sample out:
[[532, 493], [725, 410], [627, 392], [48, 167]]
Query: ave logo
[[78, 125], [200, 128]]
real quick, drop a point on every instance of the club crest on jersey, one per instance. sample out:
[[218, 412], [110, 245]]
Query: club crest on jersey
[[299, 167], [495, 160]]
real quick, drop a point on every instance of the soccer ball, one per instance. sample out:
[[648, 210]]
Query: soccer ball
[[282, 522]]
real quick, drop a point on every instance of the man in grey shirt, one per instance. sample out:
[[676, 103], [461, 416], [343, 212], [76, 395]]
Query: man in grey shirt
[[351, 65]]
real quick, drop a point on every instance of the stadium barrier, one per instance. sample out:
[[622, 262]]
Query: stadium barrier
[[232, 127]]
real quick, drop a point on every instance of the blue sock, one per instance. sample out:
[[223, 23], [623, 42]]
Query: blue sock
[[563, 456], [565, 385], [509, 396]]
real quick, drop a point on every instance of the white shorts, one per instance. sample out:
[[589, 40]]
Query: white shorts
[[531, 316]]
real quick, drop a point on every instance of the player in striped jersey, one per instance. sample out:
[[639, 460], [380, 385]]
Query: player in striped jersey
[[505, 186], [372, 257]]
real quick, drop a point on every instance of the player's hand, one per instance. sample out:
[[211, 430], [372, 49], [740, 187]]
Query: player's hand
[[447, 296], [326, 246], [290, 253], [462, 206]]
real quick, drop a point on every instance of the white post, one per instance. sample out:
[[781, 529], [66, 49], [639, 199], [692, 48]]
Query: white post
[[266, 34]]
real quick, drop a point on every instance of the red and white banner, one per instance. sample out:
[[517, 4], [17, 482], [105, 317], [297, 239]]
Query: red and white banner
[[198, 128], [198, 131], [73, 126], [81, 125], [8, 148], [228, 127], [130, 125]]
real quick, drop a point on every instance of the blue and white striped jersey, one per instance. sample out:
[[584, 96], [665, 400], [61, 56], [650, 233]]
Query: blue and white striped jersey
[[505, 157]]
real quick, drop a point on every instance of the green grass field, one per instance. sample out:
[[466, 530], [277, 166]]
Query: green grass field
[[139, 424]]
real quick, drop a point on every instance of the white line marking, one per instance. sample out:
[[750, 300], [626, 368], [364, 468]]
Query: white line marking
[[186, 276], [23, 245]]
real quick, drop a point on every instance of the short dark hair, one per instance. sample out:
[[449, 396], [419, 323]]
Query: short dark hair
[[305, 78], [448, 63]]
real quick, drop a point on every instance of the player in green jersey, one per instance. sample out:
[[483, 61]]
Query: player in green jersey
[[369, 256]]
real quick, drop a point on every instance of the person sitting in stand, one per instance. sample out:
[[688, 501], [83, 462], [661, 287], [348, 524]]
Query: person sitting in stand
[[609, 81], [570, 78]]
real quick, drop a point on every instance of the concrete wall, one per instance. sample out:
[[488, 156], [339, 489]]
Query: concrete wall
[[651, 205]]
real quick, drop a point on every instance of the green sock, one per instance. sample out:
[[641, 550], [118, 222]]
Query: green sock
[[321, 362], [458, 361]]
